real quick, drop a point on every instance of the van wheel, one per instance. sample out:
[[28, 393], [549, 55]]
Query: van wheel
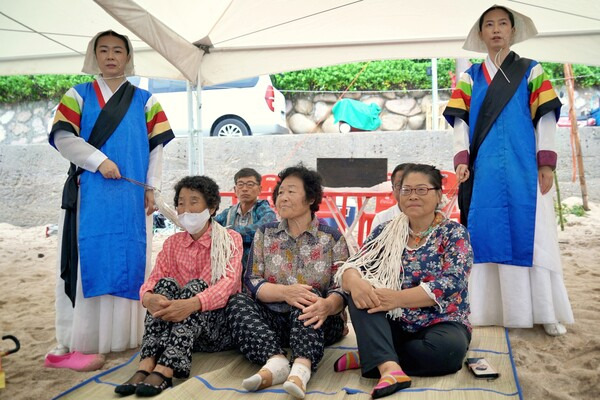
[[230, 127]]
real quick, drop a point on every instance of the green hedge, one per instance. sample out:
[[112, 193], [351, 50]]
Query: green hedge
[[401, 75], [377, 75], [19, 88]]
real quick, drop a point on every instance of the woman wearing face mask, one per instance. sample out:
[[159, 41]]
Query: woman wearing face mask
[[107, 129], [195, 273], [504, 113], [293, 300]]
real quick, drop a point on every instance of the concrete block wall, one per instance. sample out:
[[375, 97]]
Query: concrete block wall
[[32, 175]]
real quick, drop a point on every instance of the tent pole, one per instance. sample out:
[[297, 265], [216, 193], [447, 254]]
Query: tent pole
[[434, 95], [192, 146], [199, 133], [570, 82]]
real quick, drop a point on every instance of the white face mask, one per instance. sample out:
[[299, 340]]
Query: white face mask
[[194, 222]]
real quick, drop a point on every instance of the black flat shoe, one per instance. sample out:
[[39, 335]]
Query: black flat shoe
[[154, 384], [128, 388]]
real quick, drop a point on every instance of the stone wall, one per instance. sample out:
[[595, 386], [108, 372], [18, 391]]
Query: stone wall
[[400, 110], [32, 175], [25, 123], [311, 113]]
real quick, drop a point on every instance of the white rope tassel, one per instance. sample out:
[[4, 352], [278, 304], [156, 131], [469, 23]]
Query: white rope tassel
[[165, 209], [221, 251], [380, 261]]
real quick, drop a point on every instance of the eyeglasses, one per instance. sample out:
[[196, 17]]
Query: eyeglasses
[[249, 185], [420, 191]]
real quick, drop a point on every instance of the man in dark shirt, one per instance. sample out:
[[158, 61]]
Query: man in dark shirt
[[250, 212]]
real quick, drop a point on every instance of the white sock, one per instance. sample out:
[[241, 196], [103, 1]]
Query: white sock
[[59, 350], [303, 373], [279, 368], [555, 329]]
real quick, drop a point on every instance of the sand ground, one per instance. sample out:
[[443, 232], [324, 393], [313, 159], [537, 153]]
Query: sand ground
[[566, 368]]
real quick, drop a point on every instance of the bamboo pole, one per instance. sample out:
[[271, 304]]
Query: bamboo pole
[[570, 82]]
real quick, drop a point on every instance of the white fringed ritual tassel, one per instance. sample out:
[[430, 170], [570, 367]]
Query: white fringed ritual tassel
[[222, 249], [380, 260], [165, 209]]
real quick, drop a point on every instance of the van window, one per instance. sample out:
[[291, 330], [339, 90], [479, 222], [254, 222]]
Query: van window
[[134, 80], [242, 83], [166, 86], [173, 85]]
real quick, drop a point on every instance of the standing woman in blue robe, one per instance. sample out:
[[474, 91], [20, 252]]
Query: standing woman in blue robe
[[504, 113], [108, 130]]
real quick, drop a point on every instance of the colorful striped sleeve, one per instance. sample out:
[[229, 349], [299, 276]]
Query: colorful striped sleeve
[[459, 104], [157, 124], [68, 115], [542, 99]]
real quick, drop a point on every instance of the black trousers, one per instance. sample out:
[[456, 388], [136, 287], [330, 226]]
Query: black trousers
[[172, 343], [260, 333], [439, 349]]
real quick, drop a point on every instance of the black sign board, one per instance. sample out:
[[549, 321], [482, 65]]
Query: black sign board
[[352, 172]]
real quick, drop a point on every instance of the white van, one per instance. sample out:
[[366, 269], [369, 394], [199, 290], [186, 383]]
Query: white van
[[241, 108]]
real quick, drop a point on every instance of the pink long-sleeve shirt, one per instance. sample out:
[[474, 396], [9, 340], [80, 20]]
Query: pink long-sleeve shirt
[[183, 259]]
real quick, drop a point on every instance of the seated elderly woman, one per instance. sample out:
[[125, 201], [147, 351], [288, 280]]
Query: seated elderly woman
[[408, 290], [195, 274], [293, 301]]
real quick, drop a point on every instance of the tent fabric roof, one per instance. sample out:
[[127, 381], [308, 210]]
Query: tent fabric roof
[[225, 40]]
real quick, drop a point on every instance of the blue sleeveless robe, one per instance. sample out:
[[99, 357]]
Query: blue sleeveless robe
[[112, 221], [502, 212]]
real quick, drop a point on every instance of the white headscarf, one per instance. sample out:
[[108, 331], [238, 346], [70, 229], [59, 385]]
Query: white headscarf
[[90, 64], [524, 29]]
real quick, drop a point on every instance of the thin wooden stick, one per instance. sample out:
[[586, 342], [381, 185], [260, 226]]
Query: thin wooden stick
[[560, 213], [570, 82]]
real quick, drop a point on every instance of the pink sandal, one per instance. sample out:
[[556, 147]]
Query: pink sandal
[[75, 360]]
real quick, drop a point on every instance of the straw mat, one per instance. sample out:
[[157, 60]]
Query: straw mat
[[219, 376]]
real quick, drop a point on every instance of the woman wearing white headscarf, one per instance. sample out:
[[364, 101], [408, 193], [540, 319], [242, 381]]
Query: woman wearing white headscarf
[[108, 130], [504, 113]]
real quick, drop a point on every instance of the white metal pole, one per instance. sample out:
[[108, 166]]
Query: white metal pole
[[198, 129], [192, 141], [434, 95]]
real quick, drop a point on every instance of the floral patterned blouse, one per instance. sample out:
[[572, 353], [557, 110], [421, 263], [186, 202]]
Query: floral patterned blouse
[[312, 258], [441, 266]]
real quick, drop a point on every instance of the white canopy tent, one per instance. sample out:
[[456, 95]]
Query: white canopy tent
[[223, 40], [214, 41]]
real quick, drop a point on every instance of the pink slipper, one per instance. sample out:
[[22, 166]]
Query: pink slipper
[[75, 360]]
